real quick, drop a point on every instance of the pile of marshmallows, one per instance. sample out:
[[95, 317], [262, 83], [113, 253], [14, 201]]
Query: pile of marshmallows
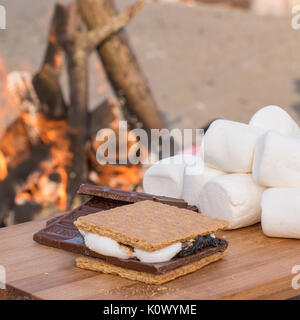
[[251, 173]]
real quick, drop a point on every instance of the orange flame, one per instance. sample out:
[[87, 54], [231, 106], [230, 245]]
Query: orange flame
[[3, 167], [47, 185], [9, 103], [15, 146], [40, 188]]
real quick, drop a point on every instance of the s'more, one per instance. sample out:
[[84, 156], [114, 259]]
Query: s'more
[[149, 241]]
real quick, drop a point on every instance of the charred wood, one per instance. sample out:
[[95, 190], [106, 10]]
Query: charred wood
[[46, 81]]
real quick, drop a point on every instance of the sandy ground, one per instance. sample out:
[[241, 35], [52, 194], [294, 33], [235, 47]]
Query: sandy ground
[[202, 62]]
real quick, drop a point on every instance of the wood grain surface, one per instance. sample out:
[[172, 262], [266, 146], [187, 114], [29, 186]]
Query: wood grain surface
[[256, 267]]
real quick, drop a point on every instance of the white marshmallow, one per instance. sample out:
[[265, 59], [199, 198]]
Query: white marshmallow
[[111, 248], [193, 181], [165, 177], [105, 246], [82, 232], [234, 198], [277, 161], [281, 213], [162, 255], [229, 146], [275, 118]]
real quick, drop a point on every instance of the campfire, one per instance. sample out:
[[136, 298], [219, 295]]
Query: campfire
[[50, 148]]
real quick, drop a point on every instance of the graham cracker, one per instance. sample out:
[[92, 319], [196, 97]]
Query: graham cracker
[[100, 266], [149, 225]]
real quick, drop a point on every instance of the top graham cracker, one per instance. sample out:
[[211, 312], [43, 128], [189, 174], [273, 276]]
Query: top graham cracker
[[149, 225]]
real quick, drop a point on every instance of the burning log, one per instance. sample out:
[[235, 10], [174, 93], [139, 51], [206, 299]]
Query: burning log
[[121, 65], [22, 135], [31, 149], [46, 81], [16, 144], [16, 177]]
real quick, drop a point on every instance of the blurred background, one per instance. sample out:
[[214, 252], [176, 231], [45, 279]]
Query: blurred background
[[203, 59]]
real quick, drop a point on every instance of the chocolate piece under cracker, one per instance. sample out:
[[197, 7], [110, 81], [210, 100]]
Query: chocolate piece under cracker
[[149, 225], [130, 196], [60, 232], [149, 278], [158, 267]]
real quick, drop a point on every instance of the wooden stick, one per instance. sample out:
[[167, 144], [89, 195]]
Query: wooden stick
[[46, 81], [98, 35], [121, 65], [73, 40]]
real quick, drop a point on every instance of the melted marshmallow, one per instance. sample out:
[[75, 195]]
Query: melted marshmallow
[[82, 232], [105, 246], [162, 255], [110, 247]]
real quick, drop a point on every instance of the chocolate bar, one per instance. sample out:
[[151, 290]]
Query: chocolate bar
[[61, 233]]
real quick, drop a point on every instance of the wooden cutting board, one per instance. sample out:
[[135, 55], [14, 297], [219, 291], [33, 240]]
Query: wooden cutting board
[[256, 267]]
